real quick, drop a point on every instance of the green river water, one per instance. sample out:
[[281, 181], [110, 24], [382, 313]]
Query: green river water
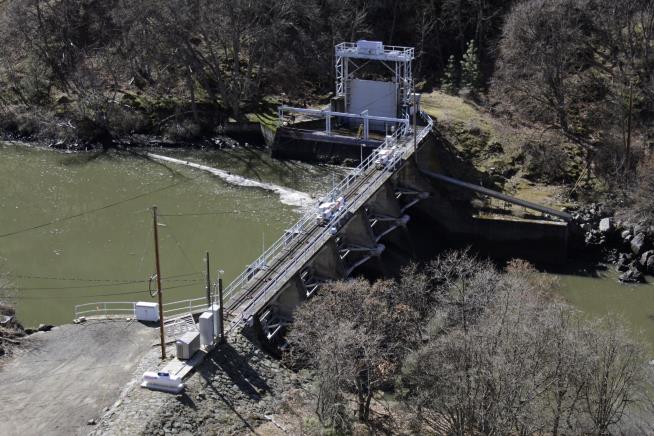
[[106, 253]]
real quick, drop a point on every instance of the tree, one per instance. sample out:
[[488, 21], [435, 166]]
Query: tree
[[541, 50], [641, 209], [372, 326], [615, 372], [524, 364], [471, 78], [449, 81]]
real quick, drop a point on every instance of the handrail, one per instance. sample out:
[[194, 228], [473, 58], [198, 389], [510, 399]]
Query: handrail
[[104, 308]]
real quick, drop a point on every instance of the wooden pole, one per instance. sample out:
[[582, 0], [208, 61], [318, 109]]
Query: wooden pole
[[208, 281], [156, 254]]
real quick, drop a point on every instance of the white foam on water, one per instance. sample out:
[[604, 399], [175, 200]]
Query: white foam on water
[[286, 195]]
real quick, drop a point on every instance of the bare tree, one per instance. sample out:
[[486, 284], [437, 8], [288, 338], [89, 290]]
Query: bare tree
[[615, 372], [523, 364]]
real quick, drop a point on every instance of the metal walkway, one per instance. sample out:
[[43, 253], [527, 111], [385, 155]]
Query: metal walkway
[[263, 279]]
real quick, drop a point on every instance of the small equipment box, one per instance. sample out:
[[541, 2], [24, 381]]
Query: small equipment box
[[206, 329], [146, 311], [187, 345]]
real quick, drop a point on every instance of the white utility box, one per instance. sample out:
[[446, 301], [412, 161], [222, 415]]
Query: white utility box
[[146, 311], [187, 345], [215, 309], [206, 329]]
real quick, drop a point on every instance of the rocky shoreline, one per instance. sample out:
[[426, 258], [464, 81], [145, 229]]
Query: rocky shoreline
[[629, 247], [238, 389]]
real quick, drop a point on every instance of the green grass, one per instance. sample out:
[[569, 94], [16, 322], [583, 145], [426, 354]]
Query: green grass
[[490, 143]]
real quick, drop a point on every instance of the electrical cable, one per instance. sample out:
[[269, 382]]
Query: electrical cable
[[126, 292], [207, 213], [179, 246], [105, 285], [79, 279], [97, 209]]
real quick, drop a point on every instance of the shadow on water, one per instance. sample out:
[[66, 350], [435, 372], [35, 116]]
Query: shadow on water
[[78, 159], [577, 268]]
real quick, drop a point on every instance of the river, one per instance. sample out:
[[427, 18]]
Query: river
[[105, 251]]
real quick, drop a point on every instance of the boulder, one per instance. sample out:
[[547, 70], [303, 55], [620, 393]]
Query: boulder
[[632, 276], [638, 243], [645, 257], [624, 259], [45, 327], [650, 265], [605, 225], [625, 235]]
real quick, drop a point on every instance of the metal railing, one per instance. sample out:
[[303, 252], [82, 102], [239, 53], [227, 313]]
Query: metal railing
[[183, 307], [122, 309], [128, 308], [351, 48]]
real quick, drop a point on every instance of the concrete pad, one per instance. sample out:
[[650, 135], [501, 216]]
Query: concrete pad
[[68, 376]]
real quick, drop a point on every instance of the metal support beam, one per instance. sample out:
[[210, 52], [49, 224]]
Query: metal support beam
[[485, 191]]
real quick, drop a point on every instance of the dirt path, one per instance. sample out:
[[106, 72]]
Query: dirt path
[[66, 377]]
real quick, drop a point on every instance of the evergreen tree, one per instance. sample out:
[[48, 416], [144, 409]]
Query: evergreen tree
[[470, 70], [449, 81]]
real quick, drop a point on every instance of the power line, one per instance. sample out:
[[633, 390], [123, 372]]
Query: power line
[[80, 279], [43, 297], [220, 212], [179, 246], [89, 211], [52, 288], [126, 292]]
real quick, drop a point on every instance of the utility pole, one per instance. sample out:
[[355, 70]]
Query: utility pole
[[222, 310], [156, 254], [208, 281]]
